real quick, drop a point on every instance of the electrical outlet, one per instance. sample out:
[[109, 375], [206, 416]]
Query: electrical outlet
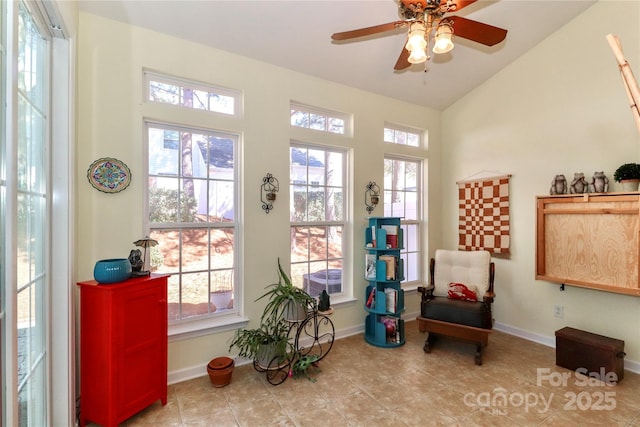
[[558, 311]]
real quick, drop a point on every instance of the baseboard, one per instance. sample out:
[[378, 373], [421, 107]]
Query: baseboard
[[629, 365]]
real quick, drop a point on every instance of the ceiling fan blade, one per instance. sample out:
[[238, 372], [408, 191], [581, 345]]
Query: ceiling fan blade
[[361, 32], [403, 60], [477, 31], [459, 4]]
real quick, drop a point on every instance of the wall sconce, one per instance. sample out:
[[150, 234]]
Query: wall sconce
[[372, 196], [268, 190]]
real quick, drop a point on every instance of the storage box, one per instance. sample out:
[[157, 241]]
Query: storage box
[[596, 353]]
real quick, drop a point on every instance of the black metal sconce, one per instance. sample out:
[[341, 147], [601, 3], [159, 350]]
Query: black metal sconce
[[268, 190], [372, 196]]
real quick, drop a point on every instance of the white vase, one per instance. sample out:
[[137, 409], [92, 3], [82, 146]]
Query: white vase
[[221, 299]]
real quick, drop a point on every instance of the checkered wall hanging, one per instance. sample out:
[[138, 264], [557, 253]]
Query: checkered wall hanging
[[484, 214]]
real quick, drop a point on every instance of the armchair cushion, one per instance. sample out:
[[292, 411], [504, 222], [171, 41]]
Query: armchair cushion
[[468, 267], [457, 311]]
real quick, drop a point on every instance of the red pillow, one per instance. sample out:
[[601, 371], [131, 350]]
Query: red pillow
[[462, 292]]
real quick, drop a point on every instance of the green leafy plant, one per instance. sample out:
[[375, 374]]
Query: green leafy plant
[[285, 298], [273, 334], [270, 342], [627, 171]]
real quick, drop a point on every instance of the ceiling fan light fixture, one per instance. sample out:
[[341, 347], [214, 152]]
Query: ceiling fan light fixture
[[443, 42], [417, 43], [418, 56]]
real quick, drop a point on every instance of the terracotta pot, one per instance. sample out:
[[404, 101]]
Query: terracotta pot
[[220, 370]]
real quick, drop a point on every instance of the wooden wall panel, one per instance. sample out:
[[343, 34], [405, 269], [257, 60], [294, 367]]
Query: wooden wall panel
[[589, 240]]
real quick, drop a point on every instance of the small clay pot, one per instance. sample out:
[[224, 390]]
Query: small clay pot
[[220, 370]]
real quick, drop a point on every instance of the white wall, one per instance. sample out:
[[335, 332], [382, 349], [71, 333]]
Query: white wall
[[559, 109], [111, 57]]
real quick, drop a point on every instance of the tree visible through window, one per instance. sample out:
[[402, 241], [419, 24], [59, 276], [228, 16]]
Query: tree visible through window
[[191, 213], [317, 181]]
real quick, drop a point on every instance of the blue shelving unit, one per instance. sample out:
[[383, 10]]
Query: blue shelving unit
[[384, 297]]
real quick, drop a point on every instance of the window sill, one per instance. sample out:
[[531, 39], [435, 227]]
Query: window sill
[[198, 328], [342, 301]]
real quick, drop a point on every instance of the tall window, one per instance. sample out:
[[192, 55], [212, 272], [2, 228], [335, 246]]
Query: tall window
[[317, 214], [31, 204], [402, 191], [192, 213]]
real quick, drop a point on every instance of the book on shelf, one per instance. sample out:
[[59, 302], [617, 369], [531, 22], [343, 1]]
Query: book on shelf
[[392, 235], [370, 266], [391, 263], [373, 236], [392, 328], [391, 295], [371, 300]]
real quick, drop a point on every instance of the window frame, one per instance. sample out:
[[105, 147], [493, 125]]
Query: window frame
[[202, 324], [407, 130], [346, 293], [148, 76], [328, 114], [406, 223]]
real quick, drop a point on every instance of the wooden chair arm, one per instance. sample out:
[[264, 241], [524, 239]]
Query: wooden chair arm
[[489, 296], [427, 292]]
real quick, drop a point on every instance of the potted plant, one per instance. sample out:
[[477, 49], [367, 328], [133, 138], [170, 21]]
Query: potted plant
[[268, 345], [286, 300], [628, 175]]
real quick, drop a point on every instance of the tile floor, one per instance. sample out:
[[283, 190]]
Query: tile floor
[[362, 385]]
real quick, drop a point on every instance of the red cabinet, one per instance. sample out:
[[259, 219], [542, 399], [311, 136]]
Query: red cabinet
[[123, 348]]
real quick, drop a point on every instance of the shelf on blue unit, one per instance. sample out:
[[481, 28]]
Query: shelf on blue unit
[[376, 332]]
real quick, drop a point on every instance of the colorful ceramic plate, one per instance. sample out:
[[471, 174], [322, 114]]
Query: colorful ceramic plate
[[109, 175]]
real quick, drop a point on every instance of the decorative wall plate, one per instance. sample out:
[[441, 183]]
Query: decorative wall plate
[[109, 175]]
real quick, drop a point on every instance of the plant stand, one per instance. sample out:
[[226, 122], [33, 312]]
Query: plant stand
[[313, 336]]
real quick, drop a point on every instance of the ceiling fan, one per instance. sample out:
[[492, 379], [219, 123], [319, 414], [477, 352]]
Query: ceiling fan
[[425, 17]]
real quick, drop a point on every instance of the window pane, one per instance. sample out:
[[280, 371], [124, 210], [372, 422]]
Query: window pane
[[162, 92], [316, 204], [317, 243], [336, 125], [299, 118], [299, 205], [411, 237], [316, 167], [195, 253], [194, 298], [166, 255], [299, 244], [222, 244], [335, 165], [317, 122], [410, 205], [163, 158]]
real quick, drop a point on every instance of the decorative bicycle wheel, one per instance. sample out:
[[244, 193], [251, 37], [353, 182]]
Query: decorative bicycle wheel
[[277, 369], [315, 336]]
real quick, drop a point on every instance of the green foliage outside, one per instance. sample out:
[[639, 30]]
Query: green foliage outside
[[163, 206]]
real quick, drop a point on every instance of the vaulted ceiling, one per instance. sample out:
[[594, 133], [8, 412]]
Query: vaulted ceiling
[[297, 35]]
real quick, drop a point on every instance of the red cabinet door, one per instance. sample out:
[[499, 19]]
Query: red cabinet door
[[123, 348]]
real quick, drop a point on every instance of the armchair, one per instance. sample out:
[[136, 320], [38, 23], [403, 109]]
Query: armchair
[[447, 305]]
